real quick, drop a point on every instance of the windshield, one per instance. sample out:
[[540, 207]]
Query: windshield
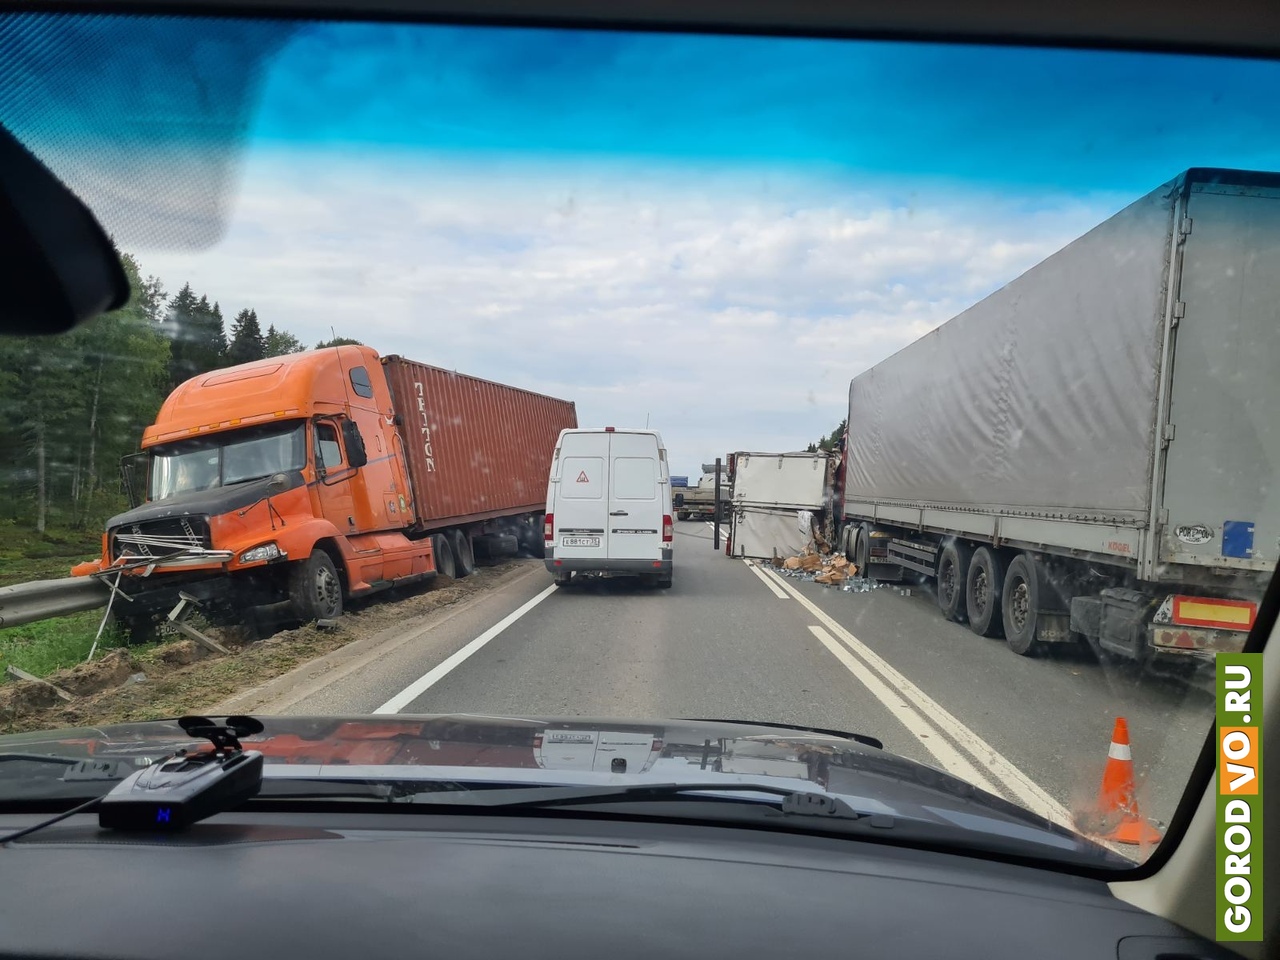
[[227, 458], [979, 342]]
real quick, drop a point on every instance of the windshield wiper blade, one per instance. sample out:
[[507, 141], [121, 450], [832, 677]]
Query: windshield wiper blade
[[543, 798], [72, 768], [842, 734], [505, 797], [306, 788], [40, 758]]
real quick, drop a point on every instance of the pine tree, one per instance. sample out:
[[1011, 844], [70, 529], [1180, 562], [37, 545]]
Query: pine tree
[[247, 343], [338, 342], [194, 326]]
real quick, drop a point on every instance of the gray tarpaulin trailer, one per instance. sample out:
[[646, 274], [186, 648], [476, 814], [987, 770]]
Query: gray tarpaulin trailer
[[1092, 449]]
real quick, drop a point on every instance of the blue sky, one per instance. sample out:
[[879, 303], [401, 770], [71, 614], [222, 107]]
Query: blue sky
[[714, 233], [1031, 118]]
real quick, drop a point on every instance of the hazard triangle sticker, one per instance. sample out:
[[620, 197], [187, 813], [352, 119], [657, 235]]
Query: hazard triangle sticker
[[582, 477]]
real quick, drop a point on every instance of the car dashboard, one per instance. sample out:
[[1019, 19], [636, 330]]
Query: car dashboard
[[323, 885]]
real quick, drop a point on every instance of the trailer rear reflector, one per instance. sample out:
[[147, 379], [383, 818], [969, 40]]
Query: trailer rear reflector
[[1221, 614]]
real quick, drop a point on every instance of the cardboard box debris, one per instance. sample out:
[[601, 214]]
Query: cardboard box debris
[[830, 570]]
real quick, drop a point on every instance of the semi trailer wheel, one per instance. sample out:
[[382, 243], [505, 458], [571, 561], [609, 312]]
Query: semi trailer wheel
[[984, 590], [442, 554], [464, 558], [1023, 588], [953, 575]]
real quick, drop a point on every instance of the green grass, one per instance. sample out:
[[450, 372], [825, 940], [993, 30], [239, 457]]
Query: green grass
[[49, 645], [26, 555]]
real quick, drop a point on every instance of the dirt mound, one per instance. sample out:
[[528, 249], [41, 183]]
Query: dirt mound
[[104, 674], [182, 677]]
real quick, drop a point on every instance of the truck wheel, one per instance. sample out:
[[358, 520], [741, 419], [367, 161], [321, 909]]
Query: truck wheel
[[682, 515], [464, 558], [539, 544], [984, 586], [315, 589], [953, 574], [862, 550], [442, 553], [664, 583], [1022, 591]]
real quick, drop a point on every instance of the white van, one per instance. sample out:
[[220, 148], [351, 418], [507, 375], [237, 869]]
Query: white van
[[609, 506], [601, 751]]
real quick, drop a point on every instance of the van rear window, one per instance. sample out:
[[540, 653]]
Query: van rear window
[[581, 478], [635, 478]]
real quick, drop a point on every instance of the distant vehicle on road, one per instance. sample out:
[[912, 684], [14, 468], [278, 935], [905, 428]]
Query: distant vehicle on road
[[1055, 456], [699, 503], [609, 507]]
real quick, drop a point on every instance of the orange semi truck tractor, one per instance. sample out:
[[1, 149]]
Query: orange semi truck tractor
[[307, 479]]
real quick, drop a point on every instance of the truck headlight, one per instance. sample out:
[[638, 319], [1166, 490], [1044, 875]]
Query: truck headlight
[[268, 551]]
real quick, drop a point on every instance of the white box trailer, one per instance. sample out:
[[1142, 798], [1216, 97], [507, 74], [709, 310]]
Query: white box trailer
[[1091, 450], [774, 498], [796, 480]]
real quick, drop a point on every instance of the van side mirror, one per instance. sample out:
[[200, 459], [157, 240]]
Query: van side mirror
[[356, 455]]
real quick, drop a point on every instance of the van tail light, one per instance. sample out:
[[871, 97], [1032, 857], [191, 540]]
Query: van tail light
[[668, 529], [548, 526]]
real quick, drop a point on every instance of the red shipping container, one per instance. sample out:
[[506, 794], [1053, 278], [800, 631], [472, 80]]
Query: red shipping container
[[476, 450]]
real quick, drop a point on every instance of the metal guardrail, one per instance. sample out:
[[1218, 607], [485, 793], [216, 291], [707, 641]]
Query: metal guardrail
[[42, 599]]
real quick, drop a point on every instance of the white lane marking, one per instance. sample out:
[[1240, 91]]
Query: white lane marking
[[438, 673], [951, 759], [1025, 790], [777, 590]]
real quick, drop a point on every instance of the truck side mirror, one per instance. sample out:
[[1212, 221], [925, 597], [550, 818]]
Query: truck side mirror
[[277, 484], [356, 455]]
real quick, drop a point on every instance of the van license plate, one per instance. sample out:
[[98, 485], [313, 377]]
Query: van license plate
[[579, 541]]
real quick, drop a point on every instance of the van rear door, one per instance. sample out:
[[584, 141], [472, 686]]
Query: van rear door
[[581, 501], [635, 497]]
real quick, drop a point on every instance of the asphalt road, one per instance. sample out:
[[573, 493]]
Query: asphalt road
[[729, 641]]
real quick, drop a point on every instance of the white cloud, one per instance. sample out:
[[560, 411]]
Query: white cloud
[[731, 308]]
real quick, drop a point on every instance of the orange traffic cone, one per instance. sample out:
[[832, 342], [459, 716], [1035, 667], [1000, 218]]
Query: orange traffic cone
[[1117, 817]]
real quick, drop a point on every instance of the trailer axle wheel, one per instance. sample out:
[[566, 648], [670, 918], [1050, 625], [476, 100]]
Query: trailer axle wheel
[[984, 590], [953, 572]]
